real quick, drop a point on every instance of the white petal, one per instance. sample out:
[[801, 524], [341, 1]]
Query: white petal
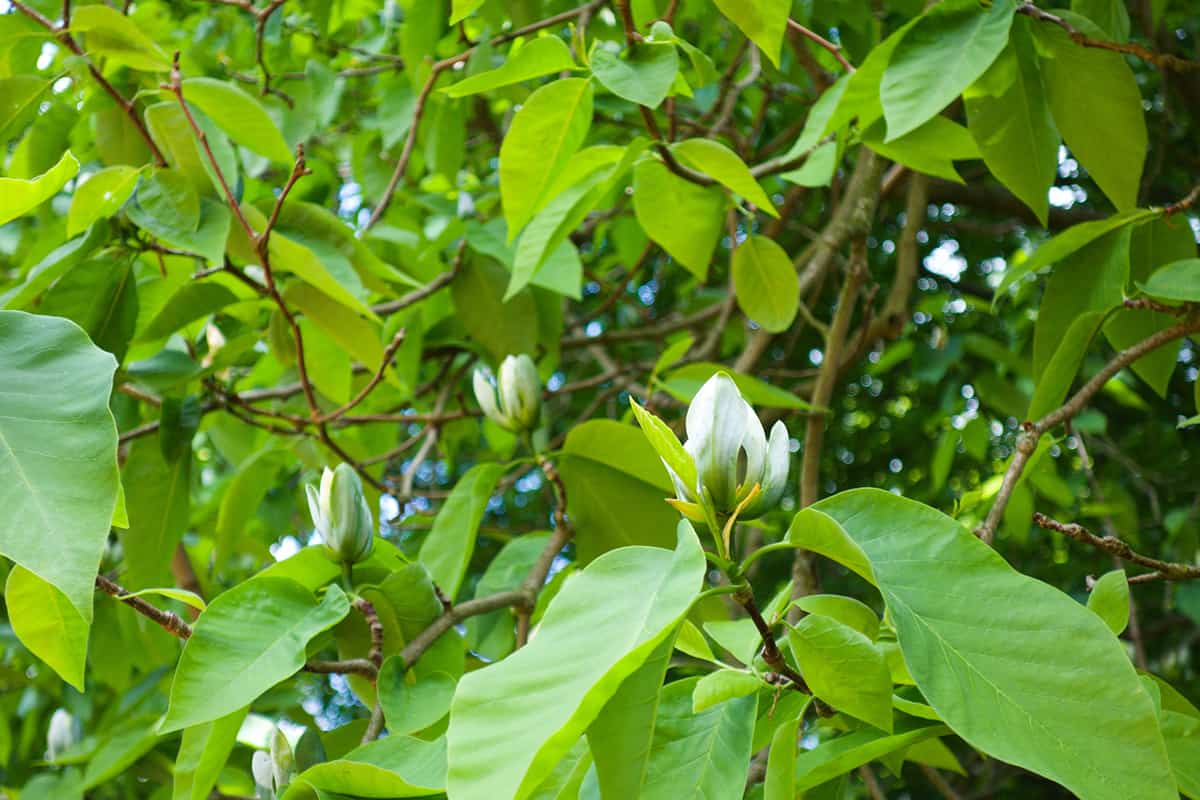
[[716, 419], [485, 393], [755, 444], [314, 510], [776, 475]]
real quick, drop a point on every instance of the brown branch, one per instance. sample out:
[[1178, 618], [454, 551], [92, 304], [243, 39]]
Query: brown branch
[[1031, 432], [1160, 60], [770, 647], [367, 609], [1163, 570], [813, 36], [126, 105]]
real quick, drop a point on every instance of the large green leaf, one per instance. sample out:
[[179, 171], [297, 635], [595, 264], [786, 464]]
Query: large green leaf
[[157, 501], [644, 76], [1101, 118], [1060, 371], [767, 287], [1009, 117], [543, 56], [247, 640], [725, 167], [58, 451], [614, 613], [239, 115], [100, 296], [843, 668], [846, 752], [616, 488], [931, 148], [45, 621], [100, 197], [685, 219], [1180, 722], [763, 21], [699, 755], [545, 133], [1178, 281], [780, 783], [202, 754], [398, 766], [116, 37], [939, 57], [447, 549], [1061, 699], [18, 197], [1068, 242], [492, 635]]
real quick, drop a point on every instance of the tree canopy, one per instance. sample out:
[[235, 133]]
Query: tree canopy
[[628, 399]]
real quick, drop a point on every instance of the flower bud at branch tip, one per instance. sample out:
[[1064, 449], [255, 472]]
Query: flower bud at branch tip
[[514, 399], [341, 515]]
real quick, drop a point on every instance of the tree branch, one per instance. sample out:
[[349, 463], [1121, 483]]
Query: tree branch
[[1163, 570]]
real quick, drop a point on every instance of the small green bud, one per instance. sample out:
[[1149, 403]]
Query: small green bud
[[514, 400], [341, 515]]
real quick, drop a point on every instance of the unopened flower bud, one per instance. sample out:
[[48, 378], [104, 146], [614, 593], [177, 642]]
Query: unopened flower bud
[[341, 515], [264, 775], [62, 735], [514, 400]]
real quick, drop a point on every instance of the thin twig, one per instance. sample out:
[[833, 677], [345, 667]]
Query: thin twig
[[813, 36], [1163, 570]]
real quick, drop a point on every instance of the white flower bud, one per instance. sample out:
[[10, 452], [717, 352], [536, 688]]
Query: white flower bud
[[341, 515], [264, 775], [62, 735], [514, 400]]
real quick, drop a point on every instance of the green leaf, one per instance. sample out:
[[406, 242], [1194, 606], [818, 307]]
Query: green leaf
[[119, 749], [780, 781], [617, 488], [846, 610], [949, 47], [767, 287], [739, 636], [666, 444], [116, 37], [544, 134], [1109, 598], [19, 96], [182, 595], [684, 382], [1180, 723], [461, 9], [644, 77], [239, 115], [542, 56], [1178, 281], [699, 755], [725, 167], [721, 685], [1101, 118], [621, 735], [818, 168], [849, 751], [170, 224], [932, 148], [1018, 699], [202, 754], [101, 297], [1067, 242], [248, 639], [843, 668], [1009, 117], [1129, 326], [1090, 279], [1111, 16], [157, 500], [492, 635], [58, 447], [1060, 372], [763, 21], [19, 197], [193, 301], [618, 610], [247, 488], [683, 218], [397, 766], [411, 703], [447, 549], [100, 197], [47, 623]]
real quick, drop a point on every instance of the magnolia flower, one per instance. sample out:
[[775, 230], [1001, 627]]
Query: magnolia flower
[[62, 735], [341, 515], [737, 469], [514, 401]]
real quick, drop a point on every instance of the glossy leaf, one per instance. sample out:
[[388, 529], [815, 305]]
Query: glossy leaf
[[846, 610], [724, 684], [493, 747], [843, 668], [763, 21], [849, 751], [644, 76], [202, 754], [238, 114], [112, 35], [544, 134], [685, 381], [939, 57], [725, 167], [45, 621], [768, 289], [247, 640], [1109, 598], [157, 501], [685, 219], [397, 766], [100, 197], [986, 689], [58, 444], [19, 197], [542, 56], [411, 703], [1178, 281], [447, 549]]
